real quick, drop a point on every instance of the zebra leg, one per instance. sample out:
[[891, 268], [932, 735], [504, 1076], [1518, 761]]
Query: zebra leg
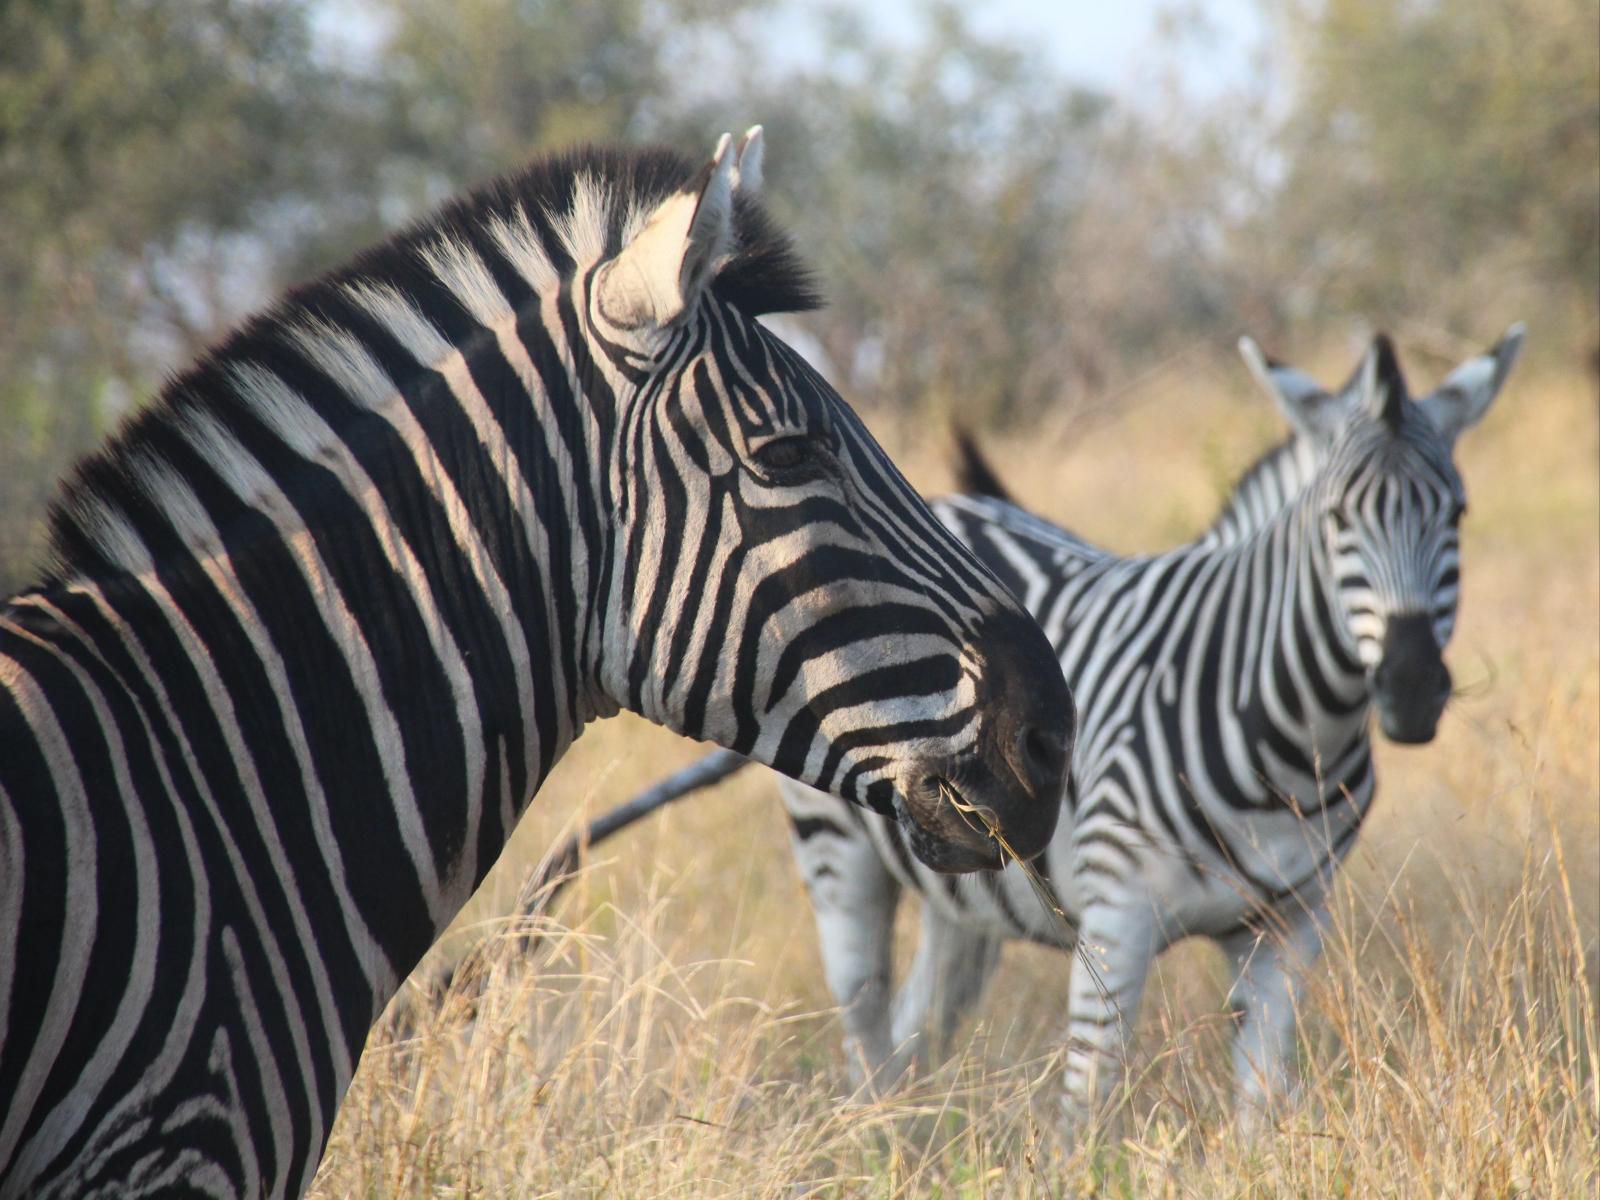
[[1270, 967], [853, 898], [1116, 945], [952, 966]]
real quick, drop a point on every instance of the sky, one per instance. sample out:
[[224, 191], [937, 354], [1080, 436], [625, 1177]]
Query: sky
[[1104, 44], [1100, 43]]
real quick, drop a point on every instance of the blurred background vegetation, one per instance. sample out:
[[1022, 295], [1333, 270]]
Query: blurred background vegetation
[[993, 237]]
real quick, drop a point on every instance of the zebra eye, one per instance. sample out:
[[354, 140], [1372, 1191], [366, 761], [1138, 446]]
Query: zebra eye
[[784, 454]]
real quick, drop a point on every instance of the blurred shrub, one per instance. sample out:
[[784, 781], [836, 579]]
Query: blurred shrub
[[994, 240]]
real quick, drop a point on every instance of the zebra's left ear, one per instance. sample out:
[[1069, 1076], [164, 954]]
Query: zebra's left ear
[[1311, 409], [747, 162], [1460, 401], [659, 275]]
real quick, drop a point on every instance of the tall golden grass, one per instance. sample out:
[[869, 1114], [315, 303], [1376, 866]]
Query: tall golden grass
[[672, 1036]]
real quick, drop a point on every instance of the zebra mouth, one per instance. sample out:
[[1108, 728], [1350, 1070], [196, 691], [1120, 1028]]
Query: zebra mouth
[[944, 830], [1409, 722]]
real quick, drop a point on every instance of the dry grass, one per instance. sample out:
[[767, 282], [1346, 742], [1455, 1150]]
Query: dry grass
[[675, 1041]]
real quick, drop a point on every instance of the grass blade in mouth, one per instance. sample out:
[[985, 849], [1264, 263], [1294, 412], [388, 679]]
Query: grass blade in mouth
[[990, 826], [987, 823]]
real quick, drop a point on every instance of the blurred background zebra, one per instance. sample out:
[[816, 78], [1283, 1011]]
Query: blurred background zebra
[[1315, 416], [319, 623], [1224, 762]]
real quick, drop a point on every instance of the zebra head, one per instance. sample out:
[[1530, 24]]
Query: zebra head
[[774, 584], [1389, 502], [1316, 416]]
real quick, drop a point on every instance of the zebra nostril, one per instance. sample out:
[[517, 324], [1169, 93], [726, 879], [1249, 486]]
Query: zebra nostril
[[1044, 754]]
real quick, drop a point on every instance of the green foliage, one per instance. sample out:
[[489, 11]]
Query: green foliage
[[165, 165], [1434, 144]]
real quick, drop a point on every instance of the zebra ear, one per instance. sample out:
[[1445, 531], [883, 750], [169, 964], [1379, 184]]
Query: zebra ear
[[660, 274], [1460, 401], [1310, 408], [1381, 384], [747, 163]]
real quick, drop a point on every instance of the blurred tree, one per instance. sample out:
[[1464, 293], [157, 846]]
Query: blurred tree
[[139, 141], [165, 165], [1439, 158], [458, 93], [994, 240]]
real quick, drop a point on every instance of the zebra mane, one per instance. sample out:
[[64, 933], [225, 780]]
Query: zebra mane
[[764, 274], [1267, 462], [539, 222], [1267, 483]]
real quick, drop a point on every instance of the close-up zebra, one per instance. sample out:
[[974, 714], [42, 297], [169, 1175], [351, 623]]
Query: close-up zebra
[[320, 620], [1224, 767]]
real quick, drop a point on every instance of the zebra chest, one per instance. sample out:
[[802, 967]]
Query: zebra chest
[[1204, 850]]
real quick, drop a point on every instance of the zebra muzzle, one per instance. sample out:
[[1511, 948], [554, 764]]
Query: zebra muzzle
[[1411, 684]]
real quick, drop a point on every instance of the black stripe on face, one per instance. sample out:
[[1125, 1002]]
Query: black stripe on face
[[806, 828], [933, 676], [841, 629], [877, 795], [824, 567], [895, 736]]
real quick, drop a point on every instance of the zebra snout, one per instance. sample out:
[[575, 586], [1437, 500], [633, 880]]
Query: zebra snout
[[1028, 723], [1411, 684], [1043, 753]]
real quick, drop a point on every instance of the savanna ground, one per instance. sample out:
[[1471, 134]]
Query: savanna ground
[[672, 1037]]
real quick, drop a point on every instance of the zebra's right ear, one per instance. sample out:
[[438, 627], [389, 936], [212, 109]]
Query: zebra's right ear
[[1460, 401], [660, 274], [747, 162], [1310, 408]]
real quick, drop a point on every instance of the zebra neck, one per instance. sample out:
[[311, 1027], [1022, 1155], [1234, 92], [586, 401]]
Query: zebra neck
[[475, 594], [1268, 486], [1310, 664], [367, 608]]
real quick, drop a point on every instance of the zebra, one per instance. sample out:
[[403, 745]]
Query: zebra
[[318, 622], [1280, 473], [1223, 765]]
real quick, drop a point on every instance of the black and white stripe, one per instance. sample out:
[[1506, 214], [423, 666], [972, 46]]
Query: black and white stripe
[[321, 620]]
